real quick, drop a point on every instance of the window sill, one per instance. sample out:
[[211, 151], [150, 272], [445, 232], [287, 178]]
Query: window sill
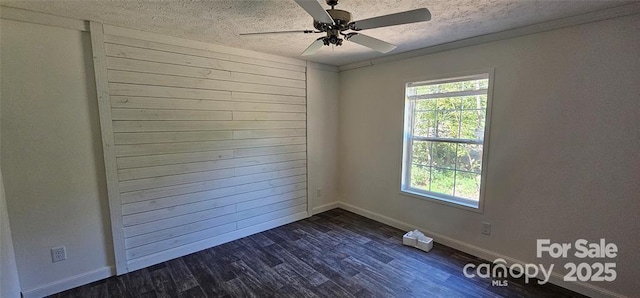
[[442, 201]]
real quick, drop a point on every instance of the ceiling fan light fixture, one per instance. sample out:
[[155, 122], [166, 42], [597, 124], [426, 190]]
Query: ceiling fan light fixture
[[334, 22]]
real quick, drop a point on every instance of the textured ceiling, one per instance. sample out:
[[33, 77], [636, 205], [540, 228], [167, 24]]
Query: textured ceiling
[[220, 21]]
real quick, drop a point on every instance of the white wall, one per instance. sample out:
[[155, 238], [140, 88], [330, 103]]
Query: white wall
[[322, 128], [563, 160], [9, 281], [51, 154]]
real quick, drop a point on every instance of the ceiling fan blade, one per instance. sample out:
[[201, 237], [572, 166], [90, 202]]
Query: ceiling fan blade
[[316, 11], [407, 17], [279, 32], [370, 42], [313, 48]]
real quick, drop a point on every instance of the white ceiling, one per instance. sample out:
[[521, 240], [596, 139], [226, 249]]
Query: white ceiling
[[220, 21]]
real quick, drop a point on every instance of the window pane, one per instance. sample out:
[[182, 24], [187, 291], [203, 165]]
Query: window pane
[[450, 87], [469, 158], [442, 181], [468, 185], [444, 155], [421, 90], [425, 104], [474, 85], [429, 89], [448, 103], [424, 124], [447, 125], [421, 153], [483, 84], [472, 124], [474, 102], [420, 177]]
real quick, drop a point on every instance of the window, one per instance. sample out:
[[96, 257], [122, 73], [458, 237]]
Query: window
[[444, 139]]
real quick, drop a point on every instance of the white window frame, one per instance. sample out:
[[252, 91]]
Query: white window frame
[[405, 167]]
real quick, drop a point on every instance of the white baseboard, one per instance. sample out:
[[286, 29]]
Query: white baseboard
[[323, 208], [557, 279], [69, 283]]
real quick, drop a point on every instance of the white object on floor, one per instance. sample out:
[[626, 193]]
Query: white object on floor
[[418, 240]]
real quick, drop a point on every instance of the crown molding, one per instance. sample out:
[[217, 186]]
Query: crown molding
[[590, 17], [27, 16], [321, 66]]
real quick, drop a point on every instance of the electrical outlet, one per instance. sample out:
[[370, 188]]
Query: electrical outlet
[[319, 192], [58, 254], [486, 228]]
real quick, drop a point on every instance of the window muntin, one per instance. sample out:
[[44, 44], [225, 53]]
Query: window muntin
[[445, 124]]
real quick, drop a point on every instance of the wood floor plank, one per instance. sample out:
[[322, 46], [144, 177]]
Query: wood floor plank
[[218, 261], [115, 287], [212, 287], [332, 254], [297, 264], [194, 292], [262, 273], [238, 289], [332, 289], [138, 282], [336, 275], [261, 240], [181, 275], [163, 284], [297, 282], [263, 255], [251, 280]]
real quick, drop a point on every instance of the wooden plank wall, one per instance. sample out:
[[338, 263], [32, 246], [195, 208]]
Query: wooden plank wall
[[207, 143]]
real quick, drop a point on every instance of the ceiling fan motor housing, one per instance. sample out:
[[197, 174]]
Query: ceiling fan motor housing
[[342, 18], [332, 3]]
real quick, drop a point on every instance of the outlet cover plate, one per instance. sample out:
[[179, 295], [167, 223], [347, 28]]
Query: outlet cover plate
[[58, 254], [486, 228]]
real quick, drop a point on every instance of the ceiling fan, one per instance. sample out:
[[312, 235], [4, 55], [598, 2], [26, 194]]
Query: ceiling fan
[[337, 24]]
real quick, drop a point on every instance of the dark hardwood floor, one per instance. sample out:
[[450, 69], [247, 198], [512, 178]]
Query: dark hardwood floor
[[332, 254]]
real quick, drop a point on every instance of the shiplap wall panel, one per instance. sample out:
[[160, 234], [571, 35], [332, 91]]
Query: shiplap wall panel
[[118, 76], [147, 114], [174, 158], [222, 214], [191, 44], [178, 208], [207, 143], [148, 126], [114, 50], [196, 72], [165, 170], [245, 181], [160, 203], [122, 93], [270, 133], [197, 52], [171, 137], [269, 150], [180, 147], [185, 102]]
